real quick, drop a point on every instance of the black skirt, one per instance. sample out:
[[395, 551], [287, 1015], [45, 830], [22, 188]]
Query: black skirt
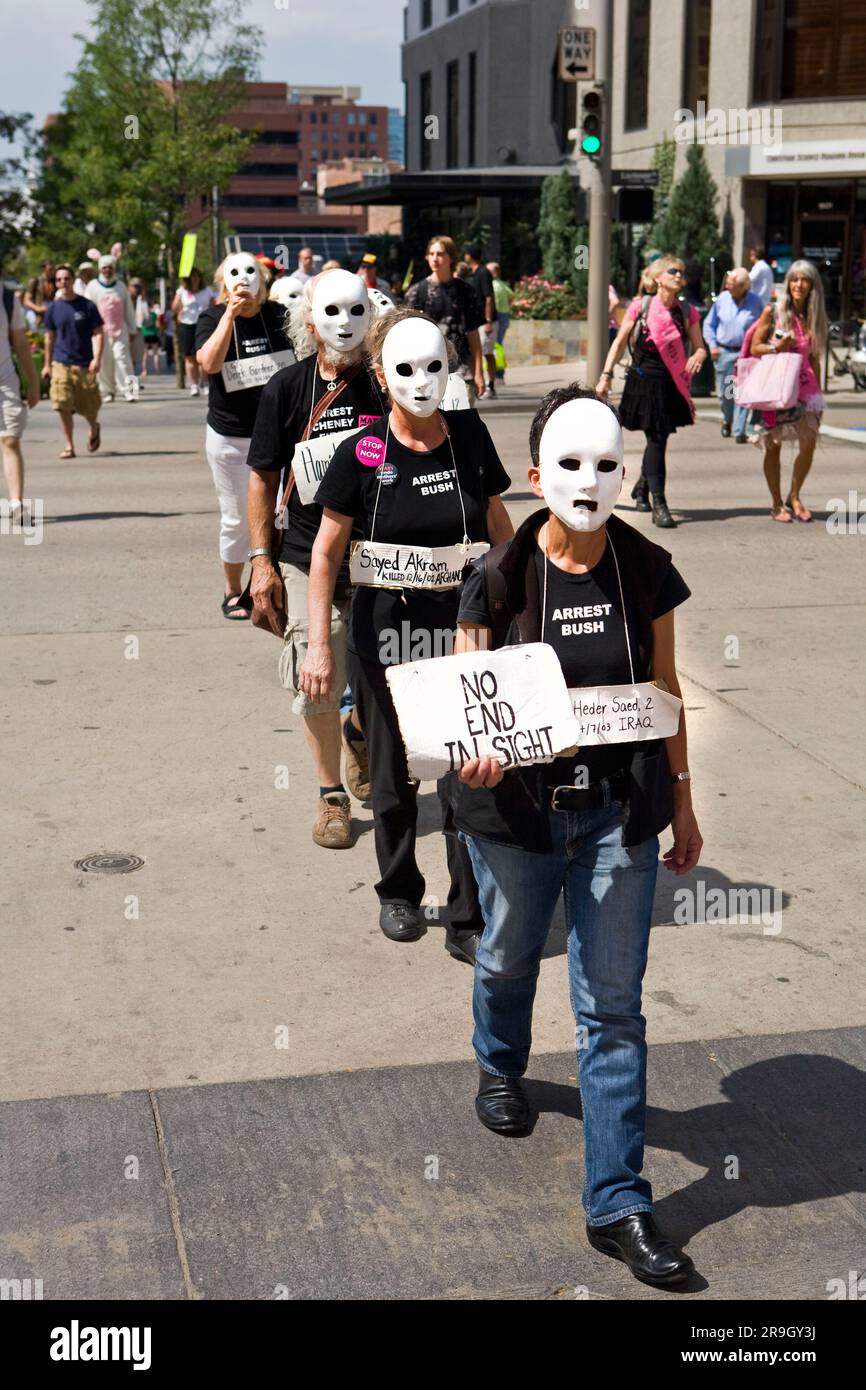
[[651, 401]]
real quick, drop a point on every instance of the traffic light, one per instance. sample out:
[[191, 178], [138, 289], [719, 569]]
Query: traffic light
[[591, 124]]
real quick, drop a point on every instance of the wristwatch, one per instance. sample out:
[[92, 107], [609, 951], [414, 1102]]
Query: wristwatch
[[681, 776], [262, 550]]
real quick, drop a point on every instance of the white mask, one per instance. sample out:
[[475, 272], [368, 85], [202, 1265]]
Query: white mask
[[287, 290], [379, 302], [241, 269], [341, 310], [415, 364], [585, 436]]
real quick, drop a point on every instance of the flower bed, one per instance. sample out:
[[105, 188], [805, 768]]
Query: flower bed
[[537, 298]]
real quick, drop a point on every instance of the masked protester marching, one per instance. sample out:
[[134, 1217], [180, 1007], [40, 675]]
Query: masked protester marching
[[585, 825], [240, 342], [422, 486], [304, 411]]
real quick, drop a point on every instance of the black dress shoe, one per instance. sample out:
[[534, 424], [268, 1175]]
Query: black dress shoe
[[661, 514], [501, 1104], [742, 439], [462, 944], [637, 1241], [401, 923], [640, 493], [726, 431]]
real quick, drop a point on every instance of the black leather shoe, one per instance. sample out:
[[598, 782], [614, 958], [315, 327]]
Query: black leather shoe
[[401, 923], [637, 1241], [501, 1104], [726, 431], [462, 944], [661, 514], [742, 439], [640, 493]]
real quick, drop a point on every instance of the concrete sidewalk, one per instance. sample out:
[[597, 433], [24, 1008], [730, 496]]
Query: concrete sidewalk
[[186, 978]]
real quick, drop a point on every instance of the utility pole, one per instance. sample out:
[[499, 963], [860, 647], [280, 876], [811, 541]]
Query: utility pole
[[215, 225], [598, 185]]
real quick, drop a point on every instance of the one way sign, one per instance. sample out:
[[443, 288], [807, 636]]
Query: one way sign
[[577, 55]]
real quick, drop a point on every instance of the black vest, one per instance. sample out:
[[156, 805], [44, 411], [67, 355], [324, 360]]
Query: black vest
[[516, 811]]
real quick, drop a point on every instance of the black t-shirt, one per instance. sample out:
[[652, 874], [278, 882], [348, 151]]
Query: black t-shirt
[[584, 625], [233, 413], [453, 306], [284, 410], [482, 282], [419, 506]]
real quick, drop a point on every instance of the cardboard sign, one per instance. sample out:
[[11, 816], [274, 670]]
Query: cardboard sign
[[255, 371], [311, 458], [624, 713], [456, 396], [511, 704], [187, 255], [383, 566]]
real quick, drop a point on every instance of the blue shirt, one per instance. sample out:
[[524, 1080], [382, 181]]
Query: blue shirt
[[73, 323], [728, 322]]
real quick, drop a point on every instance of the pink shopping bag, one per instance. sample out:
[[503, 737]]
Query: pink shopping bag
[[770, 382]]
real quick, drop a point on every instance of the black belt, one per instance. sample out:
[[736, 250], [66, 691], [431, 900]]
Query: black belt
[[586, 798]]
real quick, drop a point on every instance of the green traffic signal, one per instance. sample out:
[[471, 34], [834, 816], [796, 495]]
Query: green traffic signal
[[590, 144]]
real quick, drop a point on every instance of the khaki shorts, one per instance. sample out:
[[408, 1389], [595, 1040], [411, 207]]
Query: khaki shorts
[[297, 638], [75, 390]]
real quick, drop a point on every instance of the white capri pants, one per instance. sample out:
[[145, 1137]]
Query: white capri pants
[[227, 457], [116, 375]]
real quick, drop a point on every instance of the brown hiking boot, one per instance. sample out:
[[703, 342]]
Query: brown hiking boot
[[332, 828], [357, 765]]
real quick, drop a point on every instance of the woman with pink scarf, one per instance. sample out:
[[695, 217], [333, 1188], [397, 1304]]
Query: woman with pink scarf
[[658, 389]]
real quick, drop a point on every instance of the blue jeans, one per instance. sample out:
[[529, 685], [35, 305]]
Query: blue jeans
[[732, 414], [608, 890]]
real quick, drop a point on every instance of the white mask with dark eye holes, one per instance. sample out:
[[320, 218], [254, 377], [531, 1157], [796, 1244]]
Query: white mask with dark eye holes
[[580, 462], [242, 270], [341, 310], [415, 363], [287, 290]]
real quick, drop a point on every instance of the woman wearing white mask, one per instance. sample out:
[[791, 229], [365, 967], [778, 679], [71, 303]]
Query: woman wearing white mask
[[421, 477], [239, 341], [303, 412], [603, 597]]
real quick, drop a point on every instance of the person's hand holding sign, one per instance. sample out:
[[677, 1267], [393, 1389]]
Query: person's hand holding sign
[[482, 772], [317, 672]]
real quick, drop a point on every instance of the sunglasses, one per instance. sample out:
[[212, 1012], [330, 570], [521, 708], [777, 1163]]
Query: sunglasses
[[679, 274]]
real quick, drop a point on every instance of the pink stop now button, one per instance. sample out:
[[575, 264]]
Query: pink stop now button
[[370, 451]]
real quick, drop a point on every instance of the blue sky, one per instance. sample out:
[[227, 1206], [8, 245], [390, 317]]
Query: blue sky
[[327, 41]]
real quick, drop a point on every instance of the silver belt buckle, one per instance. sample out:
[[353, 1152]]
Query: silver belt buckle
[[556, 791]]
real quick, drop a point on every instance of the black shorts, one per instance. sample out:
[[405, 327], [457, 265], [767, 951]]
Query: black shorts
[[186, 338]]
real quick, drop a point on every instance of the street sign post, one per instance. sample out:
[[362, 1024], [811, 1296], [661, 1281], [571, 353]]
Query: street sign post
[[576, 54], [634, 178]]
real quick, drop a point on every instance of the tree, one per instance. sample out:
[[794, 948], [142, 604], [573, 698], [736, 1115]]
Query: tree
[[692, 222], [664, 160], [142, 137], [558, 232], [15, 208]]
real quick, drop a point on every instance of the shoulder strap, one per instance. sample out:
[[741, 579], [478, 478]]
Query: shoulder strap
[[495, 596], [640, 322]]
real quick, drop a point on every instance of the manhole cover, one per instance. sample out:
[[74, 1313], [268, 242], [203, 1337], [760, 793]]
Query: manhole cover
[[109, 863]]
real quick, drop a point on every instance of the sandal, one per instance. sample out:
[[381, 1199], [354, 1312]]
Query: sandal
[[95, 439], [234, 608], [783, 516], [68, 454], [801, 513]]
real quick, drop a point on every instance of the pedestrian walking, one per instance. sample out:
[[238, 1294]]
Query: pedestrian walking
[[192, 298], [502, 297], [724, 329], [482, 282], [141, 313], [235, 341], [111, 298], [74, 346], [306, 265], [14, 348], [414, 443], [86, 272], [761, 275], [585, 830], [38, 294], [797, 324], [657, 396], [454, 305], [328, 392], [167, 332]]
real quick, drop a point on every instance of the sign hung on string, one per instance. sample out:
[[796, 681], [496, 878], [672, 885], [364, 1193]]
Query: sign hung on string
[[624, 713], [311, 458], [380, 565]]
